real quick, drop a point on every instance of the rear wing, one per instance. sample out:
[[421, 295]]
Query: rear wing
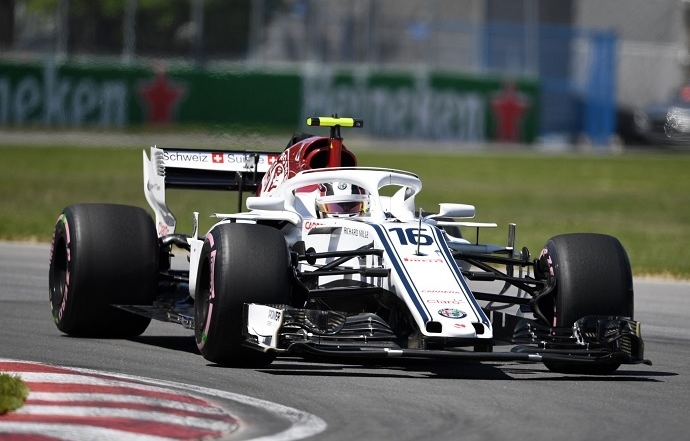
[[200, 170]]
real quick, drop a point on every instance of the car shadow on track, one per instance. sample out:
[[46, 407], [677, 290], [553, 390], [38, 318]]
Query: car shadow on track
[[450, 370], [389, 369], [175, 343], [541, 373], [409, 368]]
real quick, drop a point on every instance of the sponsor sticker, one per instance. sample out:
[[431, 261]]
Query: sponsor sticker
[[441, 291], [274, 315], [452, 313], [423, 259], [162, 229], [446, 301], [182, 156], [356, 232], [308, 225]]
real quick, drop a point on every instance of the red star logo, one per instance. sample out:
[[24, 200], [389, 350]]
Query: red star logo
[[161, 97], [217, 157], [508, 107], [685, 93]]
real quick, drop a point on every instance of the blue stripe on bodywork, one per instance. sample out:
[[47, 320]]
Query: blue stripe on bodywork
[[443, 246], [400, 269]]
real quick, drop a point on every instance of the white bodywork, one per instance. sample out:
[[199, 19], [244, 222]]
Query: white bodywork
[[423, 272]]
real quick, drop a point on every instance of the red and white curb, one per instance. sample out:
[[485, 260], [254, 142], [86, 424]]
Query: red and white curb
[[85, 405]]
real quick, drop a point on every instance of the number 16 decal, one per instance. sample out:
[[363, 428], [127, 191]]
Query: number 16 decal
[[411, 236]]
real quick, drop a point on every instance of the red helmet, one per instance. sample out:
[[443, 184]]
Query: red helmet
[[341, 199]]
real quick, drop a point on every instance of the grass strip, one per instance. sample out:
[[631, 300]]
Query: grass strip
[[641, 198]]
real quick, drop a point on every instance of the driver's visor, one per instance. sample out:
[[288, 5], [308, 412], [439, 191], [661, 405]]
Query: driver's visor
[[342, 207]]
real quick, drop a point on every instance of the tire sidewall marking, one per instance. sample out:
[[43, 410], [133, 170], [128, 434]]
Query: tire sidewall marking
[[63, 225], [545, 254], [212, 291]]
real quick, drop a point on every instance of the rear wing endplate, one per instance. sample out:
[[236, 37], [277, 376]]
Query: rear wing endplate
[[200, 170]]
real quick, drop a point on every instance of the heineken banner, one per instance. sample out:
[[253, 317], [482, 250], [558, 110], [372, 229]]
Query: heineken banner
[[401, 104]]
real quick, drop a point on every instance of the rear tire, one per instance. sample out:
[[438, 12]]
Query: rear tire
[[239, 263], [102, 254], [593, 277]]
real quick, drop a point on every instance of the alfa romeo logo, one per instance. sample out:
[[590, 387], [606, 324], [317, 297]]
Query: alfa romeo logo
[[452, 313]]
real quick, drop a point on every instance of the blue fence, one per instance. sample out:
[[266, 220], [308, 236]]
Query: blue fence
[[575, 69]]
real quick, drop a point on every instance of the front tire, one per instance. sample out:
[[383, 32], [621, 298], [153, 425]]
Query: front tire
[[593, 277], [102, 254], [239, 263]]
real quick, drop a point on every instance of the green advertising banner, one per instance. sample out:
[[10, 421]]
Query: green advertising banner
[[118, 96], [402, 104], [426, 105]]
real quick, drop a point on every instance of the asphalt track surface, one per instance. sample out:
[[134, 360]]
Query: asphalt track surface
[[386, 401]]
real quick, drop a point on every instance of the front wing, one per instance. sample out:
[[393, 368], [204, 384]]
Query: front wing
[[287, 330]]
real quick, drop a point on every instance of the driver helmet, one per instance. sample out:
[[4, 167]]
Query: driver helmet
[[340, 199]]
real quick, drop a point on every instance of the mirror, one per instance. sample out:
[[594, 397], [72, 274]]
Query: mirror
[[455, 210], [266, 203]]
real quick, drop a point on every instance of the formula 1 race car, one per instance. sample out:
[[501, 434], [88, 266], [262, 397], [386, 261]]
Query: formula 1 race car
[[332, 259]]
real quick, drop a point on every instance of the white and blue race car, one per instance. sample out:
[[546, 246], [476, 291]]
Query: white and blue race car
[[333, 259]]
